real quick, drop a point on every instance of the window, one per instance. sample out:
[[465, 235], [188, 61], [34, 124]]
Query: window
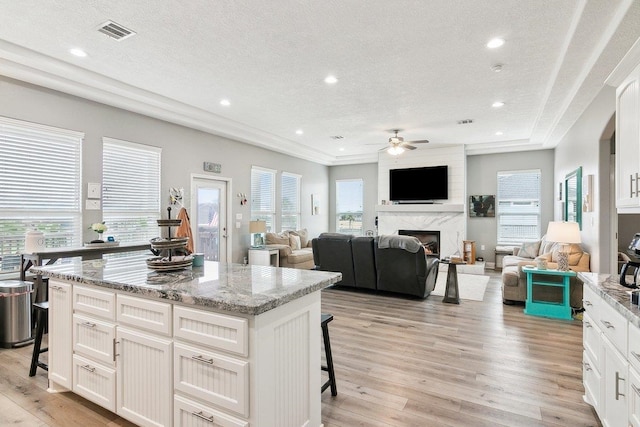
[[518, 206], [349, 197], [263, 196], [290, 201], [131, 197], [40, 178]]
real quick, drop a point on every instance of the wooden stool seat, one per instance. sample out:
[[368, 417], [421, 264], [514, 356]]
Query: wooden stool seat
[[42, 311], [325, 318]]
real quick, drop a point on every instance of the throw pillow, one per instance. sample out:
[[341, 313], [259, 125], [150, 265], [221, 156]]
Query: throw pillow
[[575, 253], [529, 249], [294, 242], [304, 236], [277, 239]]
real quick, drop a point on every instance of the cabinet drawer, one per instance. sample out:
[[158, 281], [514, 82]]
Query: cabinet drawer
[[144, 314], [212, 329], [94, 338], [211, 377], [94, 382], [591, 341], [187, 413], [614, 326], [592, 380], [94, 302], [592, 303], [634, 347]]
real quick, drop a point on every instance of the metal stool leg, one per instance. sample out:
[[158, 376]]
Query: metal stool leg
[[41, 323], [326, 318]]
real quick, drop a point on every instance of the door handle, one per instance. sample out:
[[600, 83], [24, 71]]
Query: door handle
[[618, 379]]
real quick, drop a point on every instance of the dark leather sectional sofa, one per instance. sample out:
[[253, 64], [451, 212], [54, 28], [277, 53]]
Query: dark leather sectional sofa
[[365, 265]]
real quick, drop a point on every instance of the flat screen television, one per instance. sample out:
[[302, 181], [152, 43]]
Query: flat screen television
[[419, 185]]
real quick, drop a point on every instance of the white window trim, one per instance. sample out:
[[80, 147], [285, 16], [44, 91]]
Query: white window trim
[[498, 213]]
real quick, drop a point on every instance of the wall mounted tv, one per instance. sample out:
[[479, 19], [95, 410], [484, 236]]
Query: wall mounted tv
[[419, 185]]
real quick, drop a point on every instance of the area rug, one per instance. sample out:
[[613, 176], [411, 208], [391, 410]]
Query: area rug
[[470, 286]]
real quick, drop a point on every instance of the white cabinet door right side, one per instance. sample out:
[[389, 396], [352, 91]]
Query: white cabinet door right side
[[616, 380], [634, 398], [628, 142], [60, 335]]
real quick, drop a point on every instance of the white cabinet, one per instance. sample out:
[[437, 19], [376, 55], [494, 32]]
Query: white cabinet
[[60, 317], [264, 256], [634, 397], [188, 413], [628, 143], [94, 382], [615, 383], [145, 392]]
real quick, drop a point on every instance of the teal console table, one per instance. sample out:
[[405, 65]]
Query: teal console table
[[536, 277]]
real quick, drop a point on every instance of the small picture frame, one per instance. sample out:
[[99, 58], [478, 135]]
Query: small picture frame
[[483, 206]]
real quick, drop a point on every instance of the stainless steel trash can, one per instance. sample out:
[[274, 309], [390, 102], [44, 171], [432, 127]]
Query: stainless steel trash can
[[15, 313]]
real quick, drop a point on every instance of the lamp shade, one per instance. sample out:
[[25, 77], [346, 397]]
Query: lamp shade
[[563, 232], [257, 226]]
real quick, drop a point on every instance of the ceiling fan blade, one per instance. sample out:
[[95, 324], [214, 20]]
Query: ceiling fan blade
[[422, 141], [408, 146]]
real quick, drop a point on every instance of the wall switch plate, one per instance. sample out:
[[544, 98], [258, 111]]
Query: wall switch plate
[[93, 190], [238, 224], [92, 205], [238, 216]]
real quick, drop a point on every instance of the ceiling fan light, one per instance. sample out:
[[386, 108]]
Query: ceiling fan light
[[395, 150]]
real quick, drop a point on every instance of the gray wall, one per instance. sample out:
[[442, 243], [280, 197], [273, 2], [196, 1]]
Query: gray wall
[[482, 173], [183, 152], [369, 174], [587, 145]]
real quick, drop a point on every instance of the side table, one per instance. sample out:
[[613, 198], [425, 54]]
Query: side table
[[264, 256], [536, 277], [451, 292]]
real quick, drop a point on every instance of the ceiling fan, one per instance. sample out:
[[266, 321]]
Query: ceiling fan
[[397, 144]]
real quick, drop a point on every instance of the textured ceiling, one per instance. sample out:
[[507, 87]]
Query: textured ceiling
[[417, 65]]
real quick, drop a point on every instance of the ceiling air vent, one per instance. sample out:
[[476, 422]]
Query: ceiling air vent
[[115, 31], [336, 137], [465, 121]]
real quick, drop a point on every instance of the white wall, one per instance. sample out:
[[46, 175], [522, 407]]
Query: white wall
[[183, 152], [482, 173], [582, 146]]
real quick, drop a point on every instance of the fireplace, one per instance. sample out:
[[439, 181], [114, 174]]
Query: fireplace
[[430, 239]]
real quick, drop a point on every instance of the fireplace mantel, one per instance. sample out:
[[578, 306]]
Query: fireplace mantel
[[427, 207]]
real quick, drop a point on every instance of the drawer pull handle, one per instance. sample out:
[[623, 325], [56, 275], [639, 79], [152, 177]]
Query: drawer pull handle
[[587, 366], [633, 386], [588, 303], [607, 324], [588, 325], [636, 355], [89, 324], [200, 358], [88, 368], [631, 186], [56, 288], [618, 379], [203, 416]]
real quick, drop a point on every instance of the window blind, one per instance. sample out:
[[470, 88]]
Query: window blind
[[40, 182], [263, 206], [518, 206], [290, 201], [131, 190], [349, 206]]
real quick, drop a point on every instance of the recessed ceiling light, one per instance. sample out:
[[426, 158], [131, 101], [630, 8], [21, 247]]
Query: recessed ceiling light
[[299, 132], [494, 43], [499, 133], [496, 68], [225, 102], [78, 52], [341, 149], [330, 80], [497, 104]]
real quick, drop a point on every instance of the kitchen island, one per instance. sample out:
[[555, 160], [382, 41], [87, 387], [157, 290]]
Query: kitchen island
[[223, 344]]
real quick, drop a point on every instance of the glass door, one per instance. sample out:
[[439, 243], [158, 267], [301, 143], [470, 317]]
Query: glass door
[[208, 203]]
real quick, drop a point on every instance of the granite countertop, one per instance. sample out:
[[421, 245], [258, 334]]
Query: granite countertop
[[616, 295], [238, 288]]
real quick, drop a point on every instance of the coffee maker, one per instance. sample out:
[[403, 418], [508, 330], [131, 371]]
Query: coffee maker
[[632, 261]]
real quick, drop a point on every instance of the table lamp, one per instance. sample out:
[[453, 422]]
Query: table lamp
[[257, 230], [564, 233]]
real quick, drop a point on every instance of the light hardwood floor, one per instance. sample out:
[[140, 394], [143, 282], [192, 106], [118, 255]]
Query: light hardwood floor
[[399, 362]]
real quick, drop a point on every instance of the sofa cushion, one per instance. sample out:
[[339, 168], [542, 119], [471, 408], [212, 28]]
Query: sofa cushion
[[294, 242], [300, 255], [277, 239], [304, 237], [529, 249]]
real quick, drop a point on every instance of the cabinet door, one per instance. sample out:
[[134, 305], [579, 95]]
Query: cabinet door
[[634, 398], [628, 142], [592, 383], [144, 378], [188, 413], [60, 333], [615, 387]]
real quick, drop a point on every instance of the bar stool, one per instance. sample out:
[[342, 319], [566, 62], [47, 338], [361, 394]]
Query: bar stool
[[42, 311], [325, 318]]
